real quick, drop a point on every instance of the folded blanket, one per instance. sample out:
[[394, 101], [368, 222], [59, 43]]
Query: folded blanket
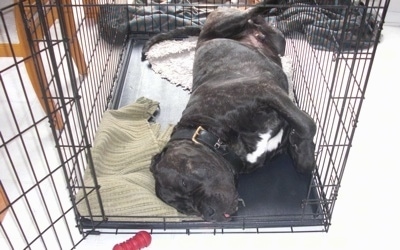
[[351, 29], [123, 147], [117, 21]]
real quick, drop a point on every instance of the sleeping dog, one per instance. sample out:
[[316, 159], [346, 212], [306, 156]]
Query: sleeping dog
[[238, 117]]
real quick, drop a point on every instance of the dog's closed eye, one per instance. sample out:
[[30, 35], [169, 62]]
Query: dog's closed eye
[[183, 183]]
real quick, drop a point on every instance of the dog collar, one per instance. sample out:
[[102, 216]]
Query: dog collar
[[202, 136]]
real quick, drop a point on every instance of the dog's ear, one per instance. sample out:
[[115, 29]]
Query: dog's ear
[[278, 40], [155, 160]]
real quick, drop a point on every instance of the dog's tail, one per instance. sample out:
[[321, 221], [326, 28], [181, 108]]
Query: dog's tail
[[181, 32]]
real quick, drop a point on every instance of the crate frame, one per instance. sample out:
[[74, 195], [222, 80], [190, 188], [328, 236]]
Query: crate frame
[[336, 89]]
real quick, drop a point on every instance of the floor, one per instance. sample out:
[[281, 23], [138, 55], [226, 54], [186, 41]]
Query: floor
[[365, 214]]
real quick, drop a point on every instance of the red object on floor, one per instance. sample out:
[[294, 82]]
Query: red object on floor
[[141, 240]]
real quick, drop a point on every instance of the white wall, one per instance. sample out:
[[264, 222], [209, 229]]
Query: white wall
[[394, 5], [393, 15]]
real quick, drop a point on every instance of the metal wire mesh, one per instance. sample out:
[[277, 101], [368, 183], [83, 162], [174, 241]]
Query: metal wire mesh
[[53, 93], [53, 98]]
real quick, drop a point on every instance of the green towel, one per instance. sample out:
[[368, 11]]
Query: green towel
[[123, 147]]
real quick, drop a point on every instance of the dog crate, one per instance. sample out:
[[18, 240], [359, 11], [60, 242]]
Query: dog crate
[[68, 65]]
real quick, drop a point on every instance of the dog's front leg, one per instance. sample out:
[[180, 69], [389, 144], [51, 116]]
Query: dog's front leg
[[301, 145], [277, 98]]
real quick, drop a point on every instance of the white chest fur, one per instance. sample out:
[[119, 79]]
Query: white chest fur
[[265, 144]]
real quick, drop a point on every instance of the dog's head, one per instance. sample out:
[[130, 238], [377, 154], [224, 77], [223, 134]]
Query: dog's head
[[195, 180]]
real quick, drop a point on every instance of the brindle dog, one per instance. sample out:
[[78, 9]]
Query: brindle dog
[[238, 117]]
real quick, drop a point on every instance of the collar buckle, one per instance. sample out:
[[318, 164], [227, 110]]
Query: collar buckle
[[196, 134]]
